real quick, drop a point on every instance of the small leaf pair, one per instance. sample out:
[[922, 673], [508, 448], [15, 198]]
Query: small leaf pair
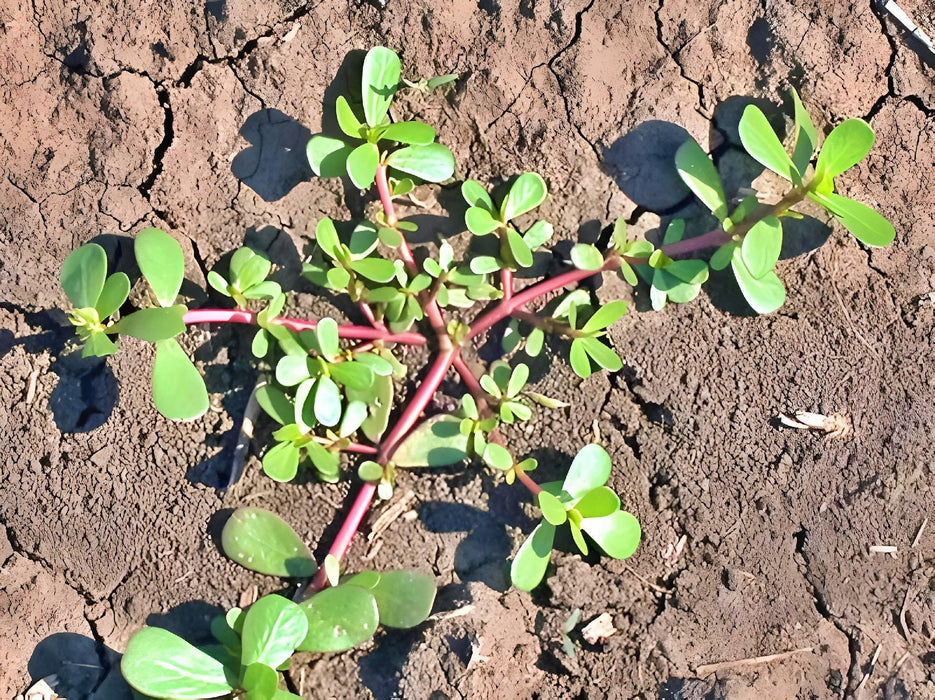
[[419, 156], [246, 278], [586, 345], [505, 385], [673, 280], [588, 506]]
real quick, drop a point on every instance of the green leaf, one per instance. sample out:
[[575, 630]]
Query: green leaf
[[379, 399], [432, 163], [83, 274], [162, 263], [281, 462], [598, 502], [263, 290], [518, 379], [354, 375], [347, 120], [698, 172], [328, 156], [327, 402], [476, 196], [761, 142], [497, 456], [586, 257], [355, 413], [606, 316], [272, 629], [533, 557], [538, 234], [578, 358], [248, 267], [339, 618], [275, 403], [534, 342], [806, 137], [722, 256], [404, 598], [436, 442], [326, 333], [161, 665], [761, 246], [263, 542], [618, 534], [113, 295], [218, 282], [589, 470], [867, 225], [326, 462], [575, 527], [479, 221], [484, 264], [526, 193], [415, 133], [152, 325], [178, 388], [764, 294], [362, 165], [375, 269], [604, 356], [518, 248], [292, 370], [401, 187], [846, 145], [553, 510], [369, 471], [98, 345], [379, 82], [260, 681]]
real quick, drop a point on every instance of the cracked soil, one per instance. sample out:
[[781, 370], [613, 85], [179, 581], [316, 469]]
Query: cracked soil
[[193, 116]]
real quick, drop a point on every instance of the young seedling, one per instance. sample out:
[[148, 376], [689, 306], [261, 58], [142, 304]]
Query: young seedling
[[333, 385]]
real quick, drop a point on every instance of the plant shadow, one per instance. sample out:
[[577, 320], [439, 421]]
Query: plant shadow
[[79, 668], [276, 160]]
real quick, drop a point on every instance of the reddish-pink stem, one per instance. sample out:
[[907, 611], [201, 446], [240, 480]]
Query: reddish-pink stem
[[386, 199], [361, 449], [295, 324], [342, 540], [367, 311], [506, 284], [468, 377], [527, 481]]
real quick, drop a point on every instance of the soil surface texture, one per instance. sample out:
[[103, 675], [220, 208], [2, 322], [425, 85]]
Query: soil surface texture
[[193, 116]]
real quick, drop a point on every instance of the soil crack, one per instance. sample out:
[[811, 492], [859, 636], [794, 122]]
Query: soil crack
[[672, 54]]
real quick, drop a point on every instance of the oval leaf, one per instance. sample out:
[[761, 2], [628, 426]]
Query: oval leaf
[[698, 172], [272, 630], [339, 618], [436, 442], [152, 325], [589, 469], [362, 165], [533, 557], [347, 120], [159, 664], [553, 510], [327, 398], [263, 542], [83, 274], [845, 147], [618, 534], [432, 163], [162, 263], [415, 133], [378, 83], [178, 389], [479, 221], [761, 246], [476, 196], [328, 156], [761, 142], [598, 502], [404, 598], [113, 295], [867, 225], [526, 193], [765, 294]]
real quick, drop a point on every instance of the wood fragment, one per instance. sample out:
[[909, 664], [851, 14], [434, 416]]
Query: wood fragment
[[707, 669], [31, 388], [873, 663], [902, 615], [457, 612], [659, 590], [882, 549], [598, 630], [387, 517], [902, 660], [919, 532]]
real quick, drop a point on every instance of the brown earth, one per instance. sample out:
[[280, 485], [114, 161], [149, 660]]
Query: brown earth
[[194, 117]]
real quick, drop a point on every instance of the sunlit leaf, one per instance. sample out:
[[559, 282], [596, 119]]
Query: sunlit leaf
[[764, 294], [178, 388], [698, 172], [160, 259], [281, 462], [476, 196], [339, 618], [589, 470], [379, 82], [153, 324], [806, 136], [527, 192], [83, 274], [159, 664], [586, 257], [618, 534], [262, 541], [846, 145], [415, 133], [432, 162], [761, 142], [436, 442], [761, 246], [113, 295], [272, 630], [533, 557], [347, 120], [553, 510], [867, 225], [362, 165], [328, 156]]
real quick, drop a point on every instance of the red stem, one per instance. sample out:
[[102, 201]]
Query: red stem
[[506, 284], [361, 449], [295, 324], [367, 311], [527, 481], [386, 199]]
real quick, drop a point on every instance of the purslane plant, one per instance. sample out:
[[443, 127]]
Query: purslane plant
[[332, 387]]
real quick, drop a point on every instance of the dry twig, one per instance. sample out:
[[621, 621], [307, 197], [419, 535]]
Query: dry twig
[[706, 669]]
